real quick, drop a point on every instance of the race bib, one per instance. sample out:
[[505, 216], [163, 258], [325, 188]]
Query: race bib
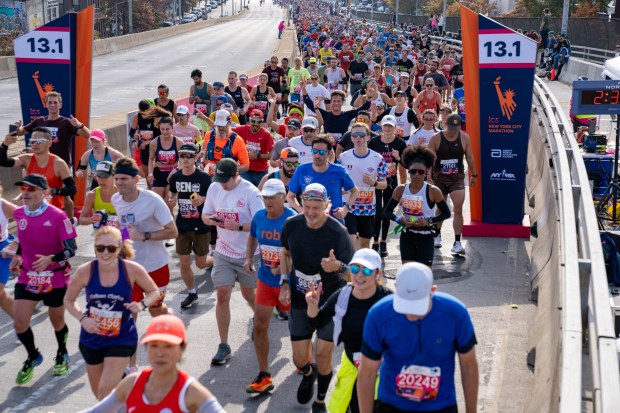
[[39, 282], [357, 76], [166, 158], [399, 132], [187, 210], [260, 105], [271, 257], [211, 168], [418, 383], [302, 281], [412, 206], [113, 221], [333, 86], [253, 146], [108, 322], [391, 169], [54, 133], [146, 135], [201, 107], [186, 139], [227, 214], [449, 166], [446, 68], [365, 196], [297, 90], [420, 79]]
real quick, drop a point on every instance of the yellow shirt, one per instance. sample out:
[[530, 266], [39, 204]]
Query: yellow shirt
[[323, 53]]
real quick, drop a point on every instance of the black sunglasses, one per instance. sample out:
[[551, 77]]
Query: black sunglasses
[[111, 248]]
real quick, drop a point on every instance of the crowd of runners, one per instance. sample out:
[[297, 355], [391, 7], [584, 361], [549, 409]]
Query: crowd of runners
[[276, 187]]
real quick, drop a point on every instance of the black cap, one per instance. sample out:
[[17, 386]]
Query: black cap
[[225, 169], [35, 180], [454, 122], [400, 92], [294, 123], [189, 148]]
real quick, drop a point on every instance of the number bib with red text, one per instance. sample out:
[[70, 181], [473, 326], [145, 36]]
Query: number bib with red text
[[39, 282], [227, 214], [187, 209], [365, 196], [412, 206], [201, 107], [271, 258], [418, 383], [108, 322]]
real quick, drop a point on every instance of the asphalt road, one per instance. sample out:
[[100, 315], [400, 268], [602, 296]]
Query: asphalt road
[[122, 79]]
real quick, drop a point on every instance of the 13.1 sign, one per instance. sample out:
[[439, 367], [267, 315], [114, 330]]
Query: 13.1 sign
[[505, 47], [44, 44]]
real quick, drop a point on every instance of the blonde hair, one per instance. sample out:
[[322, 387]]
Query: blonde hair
[[127, 252]]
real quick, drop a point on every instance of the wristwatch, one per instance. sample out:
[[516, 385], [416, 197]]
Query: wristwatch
[[283, 280], [147, 236]]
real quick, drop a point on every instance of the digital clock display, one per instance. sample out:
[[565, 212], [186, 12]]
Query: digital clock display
[[600, 97]]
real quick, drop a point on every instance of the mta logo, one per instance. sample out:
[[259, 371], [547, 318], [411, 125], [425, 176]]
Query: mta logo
[[506, 99]]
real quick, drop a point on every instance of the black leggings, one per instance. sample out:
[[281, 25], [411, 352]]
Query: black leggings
[[383, 196], [417, 247]]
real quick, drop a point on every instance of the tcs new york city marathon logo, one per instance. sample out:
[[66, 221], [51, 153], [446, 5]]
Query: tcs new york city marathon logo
[[506, 99]]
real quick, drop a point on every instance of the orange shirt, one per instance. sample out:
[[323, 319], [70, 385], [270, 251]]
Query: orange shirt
[[50, 174], [238, 149]]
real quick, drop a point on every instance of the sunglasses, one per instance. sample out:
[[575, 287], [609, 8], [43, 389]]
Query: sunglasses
[[429, 85], [162, 93], [429, 120], [314, 78], [217, 87], [186, 156], [308, 130], [111, 248], [362, 120], [321, 152], [358, 134], [355, 269], [291, 164], [28, 188], [414, 171], [37, 141], [256, 120]]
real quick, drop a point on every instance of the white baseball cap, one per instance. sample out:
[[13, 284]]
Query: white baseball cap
[[414, 282], [273, 187], [367, 257], [222, 117], [310, 122], [182, 110], [388, 120]]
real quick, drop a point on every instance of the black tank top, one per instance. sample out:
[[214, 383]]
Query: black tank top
[[261, 99], [168, 156], [169, 106], [237, 96], [449, 156], [148, 125]]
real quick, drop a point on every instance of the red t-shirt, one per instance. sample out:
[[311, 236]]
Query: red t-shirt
[[261, 142], [345, 60]]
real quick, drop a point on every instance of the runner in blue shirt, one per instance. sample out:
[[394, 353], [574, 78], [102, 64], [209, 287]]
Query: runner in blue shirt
[[265, 232], [417, 332], [333, 177]]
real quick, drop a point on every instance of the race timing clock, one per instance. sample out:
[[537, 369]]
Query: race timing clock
[[596, 97]]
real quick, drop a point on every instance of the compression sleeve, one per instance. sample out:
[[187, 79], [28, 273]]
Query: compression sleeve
[[109, 404], [67, 190], [4, 157], [68, 252], [210, 406], [309, 102], [388, 210], [445, 212]]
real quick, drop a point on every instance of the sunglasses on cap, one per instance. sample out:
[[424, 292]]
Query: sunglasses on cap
[[414, 171], [321, 152], [291, 164], [111, 248], [28, 188], [186, 156], [355, 269]]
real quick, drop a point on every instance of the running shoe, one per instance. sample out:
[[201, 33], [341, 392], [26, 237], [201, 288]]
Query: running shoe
[[223, 354], [189, 300], [375, 246], [26, 373], [319, 407], [169, 243], [305, 391], [281, 314], [457, 248], [261, 384], [61, 364], [383, 249], [438, 241]]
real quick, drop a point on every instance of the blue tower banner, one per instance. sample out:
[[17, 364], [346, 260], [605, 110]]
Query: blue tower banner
[[507, 63], [45, 62]]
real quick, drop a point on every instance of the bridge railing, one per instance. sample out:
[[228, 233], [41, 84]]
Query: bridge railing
[[573, 296]]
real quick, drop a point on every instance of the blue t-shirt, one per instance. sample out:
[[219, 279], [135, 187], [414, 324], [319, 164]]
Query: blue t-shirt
[[459, 95], [417, 372], [268, 233], [334, 179]]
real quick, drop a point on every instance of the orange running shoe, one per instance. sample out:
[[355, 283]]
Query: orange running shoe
[[261, 384]]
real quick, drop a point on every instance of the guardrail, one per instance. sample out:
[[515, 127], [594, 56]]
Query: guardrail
[[579, 288], [590, 54]]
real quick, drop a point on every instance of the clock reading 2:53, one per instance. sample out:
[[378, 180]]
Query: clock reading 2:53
[[505, 48]]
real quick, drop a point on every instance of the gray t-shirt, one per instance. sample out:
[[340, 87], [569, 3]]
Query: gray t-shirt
[[148, 213], [277, 148], [438, 77]]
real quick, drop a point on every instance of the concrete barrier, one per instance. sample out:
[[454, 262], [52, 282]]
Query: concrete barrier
[[575, 68]]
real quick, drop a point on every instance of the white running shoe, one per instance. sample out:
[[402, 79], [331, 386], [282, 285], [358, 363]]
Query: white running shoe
[[438, 241], [457, 248]]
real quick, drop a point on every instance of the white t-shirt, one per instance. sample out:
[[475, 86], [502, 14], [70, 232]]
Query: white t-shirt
[[422, 136], [356, 167], [240, 204], [305, 151], [148, 213], [313, 93]]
